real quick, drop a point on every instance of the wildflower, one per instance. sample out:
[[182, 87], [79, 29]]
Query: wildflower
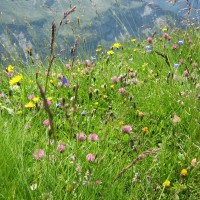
[[133, 40], [174, 46], [135, 81], [38, 154], [132, 74], [30, 97], [30, 105], [96, 103], [81, 137], [93, 137], [181, 42], [116, 45], [2, 95], [33, 187], [165, 35], [90, 157], [149, 48], [166, 183], [84, 113], [193, 162], [35, 99], [115, 79], [176, 65], [28, 126], [59, 76], [68, 66], [122, 91], [110, 52], [46, 122], [16, 79], [186, 73], [149, 39], [19, 112], [164, 29], [64, 81], [176, 119], [126, 129], [93, 59], [61, 147], [112, 87], [139, 114], [10, 68], [184, 172], [105, 97], [145, 129]]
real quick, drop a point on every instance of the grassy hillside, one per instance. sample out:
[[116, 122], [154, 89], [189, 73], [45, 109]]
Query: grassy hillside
[[122, 125]]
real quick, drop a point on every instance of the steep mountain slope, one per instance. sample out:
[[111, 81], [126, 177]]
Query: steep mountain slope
[[27, 24]]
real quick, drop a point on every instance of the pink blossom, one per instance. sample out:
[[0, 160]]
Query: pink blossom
[[61, 147], [93, 137], [186, 73], [132, 74], [135, 80], [46, 122], [30, 97], [81, 137], [2, 95], [149, 39], [126, 129], [60, 84], [115, 79], [68, 66], [9, 74], [28, 126], [166, 36], [122, 91], [59, 76], [38, 154], [49, 102], [90, 157]]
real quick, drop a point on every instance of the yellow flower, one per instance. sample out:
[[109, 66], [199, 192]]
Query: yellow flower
[[96, 103], [111, 52], [50, 98], [30, 105], [164, 29], [116, 45], [166, 183], [112, 87], [145, 130], [51, 81], [35, 99], [133, 40], [184, 172], [16, 79], [10, 68], [105, 96], [19, 112]]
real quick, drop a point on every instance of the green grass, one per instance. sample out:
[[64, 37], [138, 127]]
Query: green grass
[[158, 96]]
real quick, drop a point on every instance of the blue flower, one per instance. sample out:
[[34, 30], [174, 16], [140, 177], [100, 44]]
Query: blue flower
[[176, 65], [64, 81], [149, 48], [181, 42], [84, 113], [93, 59]]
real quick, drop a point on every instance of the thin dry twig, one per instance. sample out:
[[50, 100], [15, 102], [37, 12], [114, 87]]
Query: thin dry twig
[[140, 157]]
